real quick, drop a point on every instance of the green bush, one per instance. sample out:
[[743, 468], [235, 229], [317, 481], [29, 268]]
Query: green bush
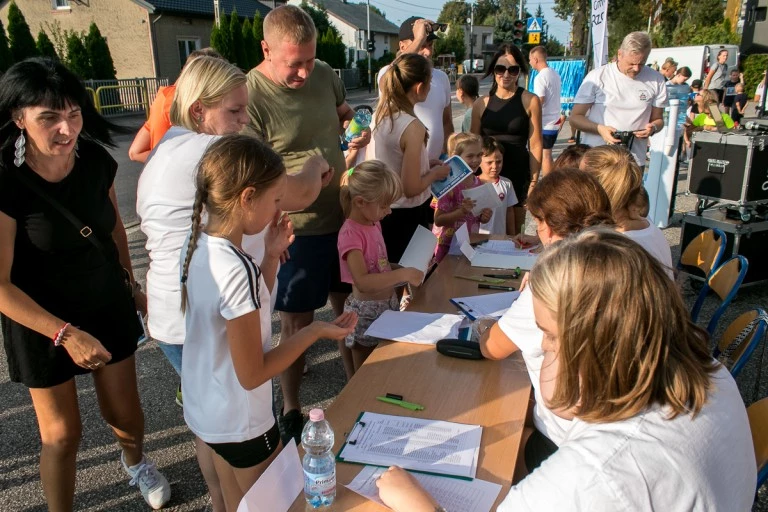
[[6, 59], [753, 67], [376, 65], [101, 64], [45, 46], [221, 38], [22, 43], [239, 57], [77, 56]]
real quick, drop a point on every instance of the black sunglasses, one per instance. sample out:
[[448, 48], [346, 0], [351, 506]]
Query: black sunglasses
[[499, 69]]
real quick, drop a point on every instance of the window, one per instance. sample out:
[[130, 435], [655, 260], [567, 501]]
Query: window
[[60, 4], [187, 46], [386, 40]]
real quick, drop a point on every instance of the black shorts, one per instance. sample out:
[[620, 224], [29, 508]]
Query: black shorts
[[538, 449], [398, 227], [720, 94], [549, 139], [313, 270], [34, 361], [249, 453]]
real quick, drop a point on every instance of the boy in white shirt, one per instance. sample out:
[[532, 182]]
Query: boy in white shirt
[[503, 219]]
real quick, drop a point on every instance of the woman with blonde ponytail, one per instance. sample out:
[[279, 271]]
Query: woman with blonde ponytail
[[399, 140]]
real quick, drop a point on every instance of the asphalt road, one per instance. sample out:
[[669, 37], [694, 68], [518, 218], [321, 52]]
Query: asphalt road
[[101, 483]]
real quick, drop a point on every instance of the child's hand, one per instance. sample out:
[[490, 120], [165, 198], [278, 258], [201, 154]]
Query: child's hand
[[467, 205], [338, 329], [412, 276], [485, 215], [440, 172], [279, 235]]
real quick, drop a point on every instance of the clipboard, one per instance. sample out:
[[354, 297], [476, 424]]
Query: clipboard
[[354, 437]]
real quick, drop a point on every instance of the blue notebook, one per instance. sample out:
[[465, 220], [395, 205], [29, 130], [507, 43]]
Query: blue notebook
[[459, 172]]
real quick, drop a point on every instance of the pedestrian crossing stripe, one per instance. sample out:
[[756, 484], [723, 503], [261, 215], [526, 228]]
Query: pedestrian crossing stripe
[[534, 25]]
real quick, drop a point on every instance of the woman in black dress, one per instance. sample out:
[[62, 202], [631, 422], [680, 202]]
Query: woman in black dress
[[512, 116], [67, 302]]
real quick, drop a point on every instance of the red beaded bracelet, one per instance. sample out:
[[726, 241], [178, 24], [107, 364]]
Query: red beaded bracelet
[[59, 337]]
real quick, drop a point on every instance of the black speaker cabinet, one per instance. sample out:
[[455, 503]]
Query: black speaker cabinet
[[754, 37], [730, 167], [748, 239]]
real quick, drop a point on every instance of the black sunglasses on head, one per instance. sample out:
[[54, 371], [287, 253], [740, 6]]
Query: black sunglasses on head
[[513, 70]]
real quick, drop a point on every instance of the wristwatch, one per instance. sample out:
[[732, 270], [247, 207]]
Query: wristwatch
[[653, 129]]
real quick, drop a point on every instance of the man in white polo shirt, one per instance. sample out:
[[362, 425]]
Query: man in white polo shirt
[[625, 95], [416, 36], [547, 87]]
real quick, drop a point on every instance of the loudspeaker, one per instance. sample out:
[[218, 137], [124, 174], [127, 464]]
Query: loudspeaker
[[754, 38]]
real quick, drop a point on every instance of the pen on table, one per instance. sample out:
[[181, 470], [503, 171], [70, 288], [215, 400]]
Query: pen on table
[[503, 276], [401, 403], [496, 287]]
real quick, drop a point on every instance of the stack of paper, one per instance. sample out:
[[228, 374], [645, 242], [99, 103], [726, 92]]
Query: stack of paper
[[412, 327], [452, 494], [431, 446], [494, 253], [492, 304]]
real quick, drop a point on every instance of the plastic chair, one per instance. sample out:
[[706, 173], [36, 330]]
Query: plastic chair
[[740, 339], [758, 423], [704, 252], [725, 282]]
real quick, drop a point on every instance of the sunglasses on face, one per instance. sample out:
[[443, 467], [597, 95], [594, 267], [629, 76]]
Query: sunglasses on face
[[498, 69]]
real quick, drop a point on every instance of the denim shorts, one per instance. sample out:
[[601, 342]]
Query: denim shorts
[[311, 273], [173, 353]]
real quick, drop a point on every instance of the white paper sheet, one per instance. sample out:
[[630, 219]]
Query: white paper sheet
[[492, 304], [278, 486], [412, 327], [478, 258], [420, 250], [484, 196], [435, 446], [451, 493]]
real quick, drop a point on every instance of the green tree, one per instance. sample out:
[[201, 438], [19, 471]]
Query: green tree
[[221, 38], [20, 38], [451, 44], [577, 12], [374, 9], [721, 33], [249, 44], [454, 12], [6, 59], [258, 36], [77, 56], [320, 16], [239, 57], [331, 50], [485, 12], [45, 46], [102, 65]]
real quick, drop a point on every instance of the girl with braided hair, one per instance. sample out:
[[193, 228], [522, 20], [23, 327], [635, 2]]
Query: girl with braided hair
[[228, 365]]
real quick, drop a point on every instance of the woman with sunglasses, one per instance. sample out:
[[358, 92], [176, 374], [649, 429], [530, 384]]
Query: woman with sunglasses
[[512, 116]]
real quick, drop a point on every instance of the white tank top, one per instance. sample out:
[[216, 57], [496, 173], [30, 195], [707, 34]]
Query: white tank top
[[385, 146]]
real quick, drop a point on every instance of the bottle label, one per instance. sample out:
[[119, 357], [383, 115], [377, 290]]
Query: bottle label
[[320, 485], [354, 129]]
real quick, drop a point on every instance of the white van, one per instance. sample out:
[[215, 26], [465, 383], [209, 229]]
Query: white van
[[697, 58], [479, 66]]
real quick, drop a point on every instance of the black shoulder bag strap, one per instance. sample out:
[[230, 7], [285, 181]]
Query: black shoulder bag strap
[[84, 230]]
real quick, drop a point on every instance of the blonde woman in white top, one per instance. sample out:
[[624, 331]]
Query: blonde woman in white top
[[658, 424], [399, 140]]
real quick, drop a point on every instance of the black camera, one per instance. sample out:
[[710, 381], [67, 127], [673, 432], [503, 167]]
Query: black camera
[[626, 138]]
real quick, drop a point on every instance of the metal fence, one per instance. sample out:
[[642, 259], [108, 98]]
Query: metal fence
[[350, 77], [124, 97]]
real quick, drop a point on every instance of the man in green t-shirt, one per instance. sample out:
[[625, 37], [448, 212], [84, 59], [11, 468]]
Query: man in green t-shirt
[[298, 105]]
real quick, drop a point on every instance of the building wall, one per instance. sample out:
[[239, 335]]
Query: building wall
[[168, 31], [122, 22]]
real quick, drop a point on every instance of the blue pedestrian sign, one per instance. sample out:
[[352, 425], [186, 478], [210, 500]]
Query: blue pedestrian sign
[[534, 24]]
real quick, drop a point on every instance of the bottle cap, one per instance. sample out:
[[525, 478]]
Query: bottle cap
[[316, 415]]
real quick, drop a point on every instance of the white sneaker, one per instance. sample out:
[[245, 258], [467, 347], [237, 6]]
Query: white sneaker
[[152, 484]]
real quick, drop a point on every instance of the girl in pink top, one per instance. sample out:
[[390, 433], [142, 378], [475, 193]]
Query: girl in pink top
[[367, 191], [452, 210]]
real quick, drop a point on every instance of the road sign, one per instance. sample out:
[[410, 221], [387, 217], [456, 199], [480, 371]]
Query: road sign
[[534, 37], [534, 24]]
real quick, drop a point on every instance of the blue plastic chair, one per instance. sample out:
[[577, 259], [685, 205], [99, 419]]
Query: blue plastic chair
[[725, 282], [704, 252], [741, 338]]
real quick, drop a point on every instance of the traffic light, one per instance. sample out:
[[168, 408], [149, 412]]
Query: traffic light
[[371, 47], [518, 32]]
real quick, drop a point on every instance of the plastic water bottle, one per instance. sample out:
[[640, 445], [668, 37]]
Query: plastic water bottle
[[360, 122], [319, 463]]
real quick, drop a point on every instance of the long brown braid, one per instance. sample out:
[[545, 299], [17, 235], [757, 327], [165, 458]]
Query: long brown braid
[[230, 165]]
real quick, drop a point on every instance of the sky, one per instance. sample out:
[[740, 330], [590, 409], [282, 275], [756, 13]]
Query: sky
[[399, 10]]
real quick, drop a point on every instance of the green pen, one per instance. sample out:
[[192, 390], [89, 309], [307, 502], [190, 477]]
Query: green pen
[[401, 403]]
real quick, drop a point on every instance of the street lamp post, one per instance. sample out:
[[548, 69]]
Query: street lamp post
[[216, 17], [368, 16]]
